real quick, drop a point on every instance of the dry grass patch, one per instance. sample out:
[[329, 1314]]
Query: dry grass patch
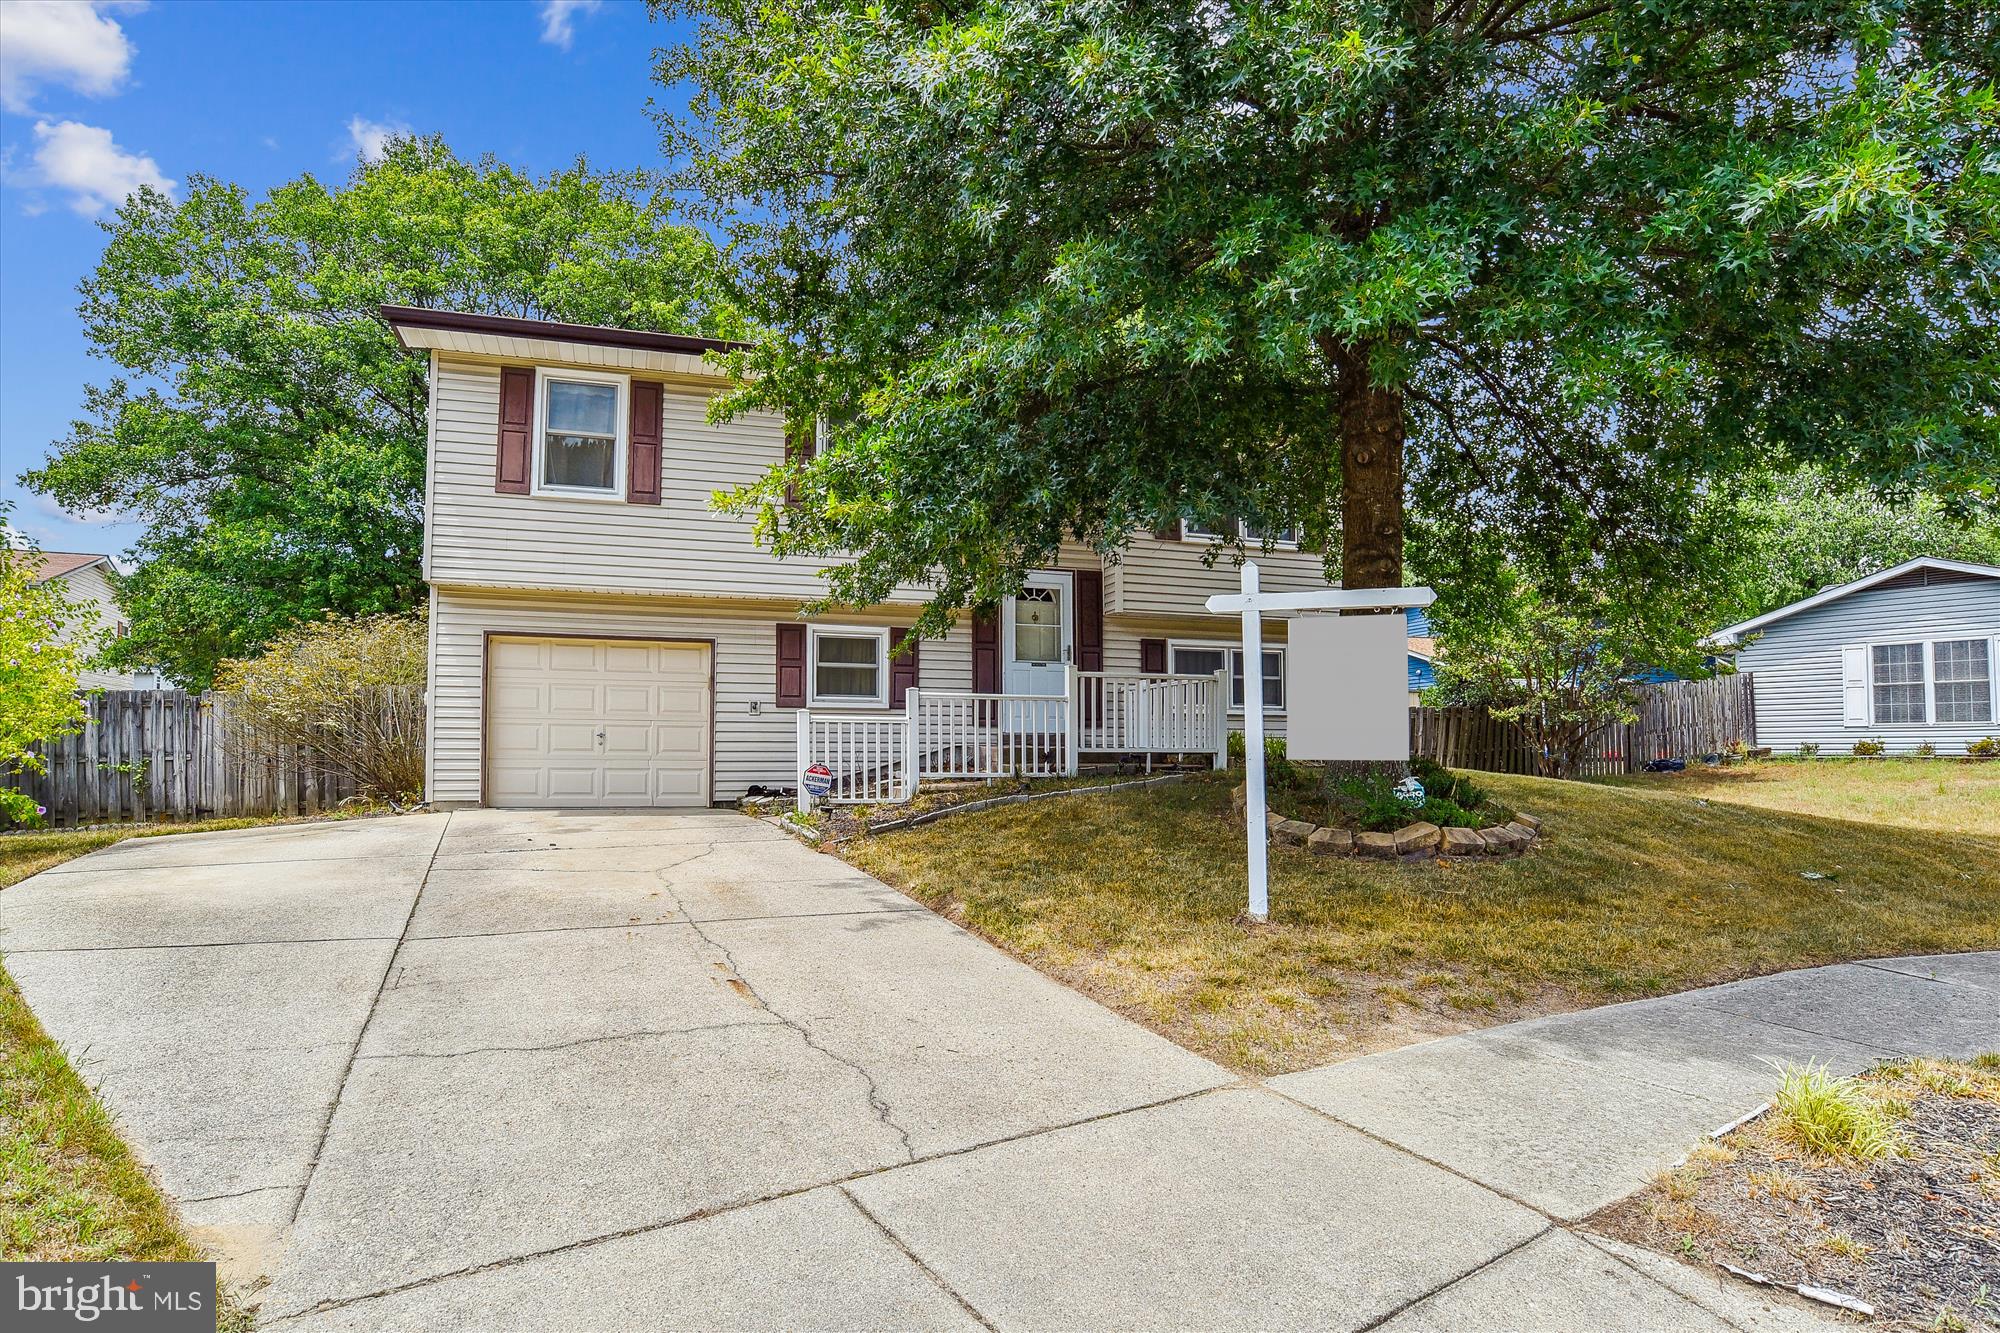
[[1914, 1233], [1943, 795], [1134, 897]]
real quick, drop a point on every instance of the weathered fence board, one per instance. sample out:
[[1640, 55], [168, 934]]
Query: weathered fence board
[[167, 754], [1682, 719]]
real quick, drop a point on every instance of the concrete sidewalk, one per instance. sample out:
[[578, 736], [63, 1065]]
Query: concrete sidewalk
[[502, 1070]]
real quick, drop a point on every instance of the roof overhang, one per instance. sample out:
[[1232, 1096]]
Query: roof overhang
[[1734, 633], [509, 338]]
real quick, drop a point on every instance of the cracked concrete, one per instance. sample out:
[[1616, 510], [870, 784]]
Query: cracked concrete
[[517, 1070]]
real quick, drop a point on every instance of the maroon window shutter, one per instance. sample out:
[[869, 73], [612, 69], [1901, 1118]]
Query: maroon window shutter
[[642, 448], [902, 666], [1089, 620], [1153, 656], [517, 411], [791, 665], [986, 652]]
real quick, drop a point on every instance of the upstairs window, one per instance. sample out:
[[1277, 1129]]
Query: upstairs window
[[582, 436], [1195, 530], [1963, 670]]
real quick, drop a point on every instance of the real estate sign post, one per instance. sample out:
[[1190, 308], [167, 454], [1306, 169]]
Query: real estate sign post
[[1313, 659]]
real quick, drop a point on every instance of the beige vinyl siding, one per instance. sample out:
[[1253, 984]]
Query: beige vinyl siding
[[682, 547], [750, 747], [89, 589], [1153, 577]]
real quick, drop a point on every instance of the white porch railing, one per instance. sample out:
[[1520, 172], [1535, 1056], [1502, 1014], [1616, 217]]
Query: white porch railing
[[1126, 713], [880, 757]]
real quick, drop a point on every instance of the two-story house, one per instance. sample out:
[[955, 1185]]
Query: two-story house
[[84, 579], [601, 635]]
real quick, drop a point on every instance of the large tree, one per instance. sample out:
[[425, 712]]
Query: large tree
[[1057, 267], [271, 436]]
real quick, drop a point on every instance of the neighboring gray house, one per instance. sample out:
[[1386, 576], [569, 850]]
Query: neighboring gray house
[[83, 578], [1904, 656]]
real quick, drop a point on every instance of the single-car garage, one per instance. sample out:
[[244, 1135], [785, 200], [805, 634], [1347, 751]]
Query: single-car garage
[[597, 722]]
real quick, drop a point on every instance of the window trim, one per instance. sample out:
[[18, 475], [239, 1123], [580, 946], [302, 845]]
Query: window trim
[[1231, 652], [880, 633], [621, 436], [1929, 645], [1240, 528]]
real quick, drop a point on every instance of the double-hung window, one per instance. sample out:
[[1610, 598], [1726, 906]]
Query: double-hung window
[[848, 666], [1205, 659], [1945, 682], [1962, 675], [1898, 675], [580, 433]]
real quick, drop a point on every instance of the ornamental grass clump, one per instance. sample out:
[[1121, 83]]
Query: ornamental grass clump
[[1831, 1115], [344, 696]]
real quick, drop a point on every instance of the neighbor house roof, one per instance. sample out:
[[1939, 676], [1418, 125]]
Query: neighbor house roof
[[1423, 647], [405, 318], [55, 564], [1840, 590]]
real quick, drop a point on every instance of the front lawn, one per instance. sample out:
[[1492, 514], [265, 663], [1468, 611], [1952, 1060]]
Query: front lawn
[[71, 1189], [1949, 795], [1634, 890]]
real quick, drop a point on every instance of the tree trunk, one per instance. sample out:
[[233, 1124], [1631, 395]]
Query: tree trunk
[[1371, 472]]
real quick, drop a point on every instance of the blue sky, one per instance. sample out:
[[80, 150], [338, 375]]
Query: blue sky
[[97, 98]]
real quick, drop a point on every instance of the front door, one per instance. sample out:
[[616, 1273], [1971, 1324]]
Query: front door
[[1036, 628]]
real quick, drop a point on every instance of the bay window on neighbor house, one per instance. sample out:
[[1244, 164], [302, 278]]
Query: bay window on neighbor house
[[581, 433], [848, 666], [1935, 682], [1205, 659]]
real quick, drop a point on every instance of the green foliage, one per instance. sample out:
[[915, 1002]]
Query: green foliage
[[1808, 749], [1803, 532], [1561, 656], [1924, 750], [1368, 802], [344, 693], [1986, 747], [1274, 750], [271, 436], [1057, 268], [1868, 749], [43, 640], [1832, 1115]]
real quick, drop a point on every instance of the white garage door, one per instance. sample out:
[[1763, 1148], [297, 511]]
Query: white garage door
[[596, 722]]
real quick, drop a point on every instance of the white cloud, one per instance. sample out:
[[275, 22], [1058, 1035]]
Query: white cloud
[[91, 518], [69, 43], [371, 137], [559, 19], [97, 173]]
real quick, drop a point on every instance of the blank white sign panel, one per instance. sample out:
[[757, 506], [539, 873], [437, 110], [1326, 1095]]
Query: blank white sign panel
[[1347, 688]]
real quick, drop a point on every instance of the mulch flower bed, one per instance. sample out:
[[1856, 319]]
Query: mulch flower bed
[[1916, 1235]]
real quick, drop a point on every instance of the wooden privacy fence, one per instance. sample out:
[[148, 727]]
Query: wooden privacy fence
[[1682, 719], [168, 754]]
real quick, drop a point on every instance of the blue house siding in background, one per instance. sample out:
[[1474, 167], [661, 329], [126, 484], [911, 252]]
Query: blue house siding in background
[[1422, 675], [1817, 672]]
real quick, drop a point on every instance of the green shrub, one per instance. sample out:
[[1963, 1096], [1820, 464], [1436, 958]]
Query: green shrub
[[42, 648], [1986, 747], [1925, 750], [345, 693], [1868, 749], [1808, 749]]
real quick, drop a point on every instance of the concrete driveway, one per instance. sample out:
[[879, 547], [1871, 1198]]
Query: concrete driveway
[[495, 1070]]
